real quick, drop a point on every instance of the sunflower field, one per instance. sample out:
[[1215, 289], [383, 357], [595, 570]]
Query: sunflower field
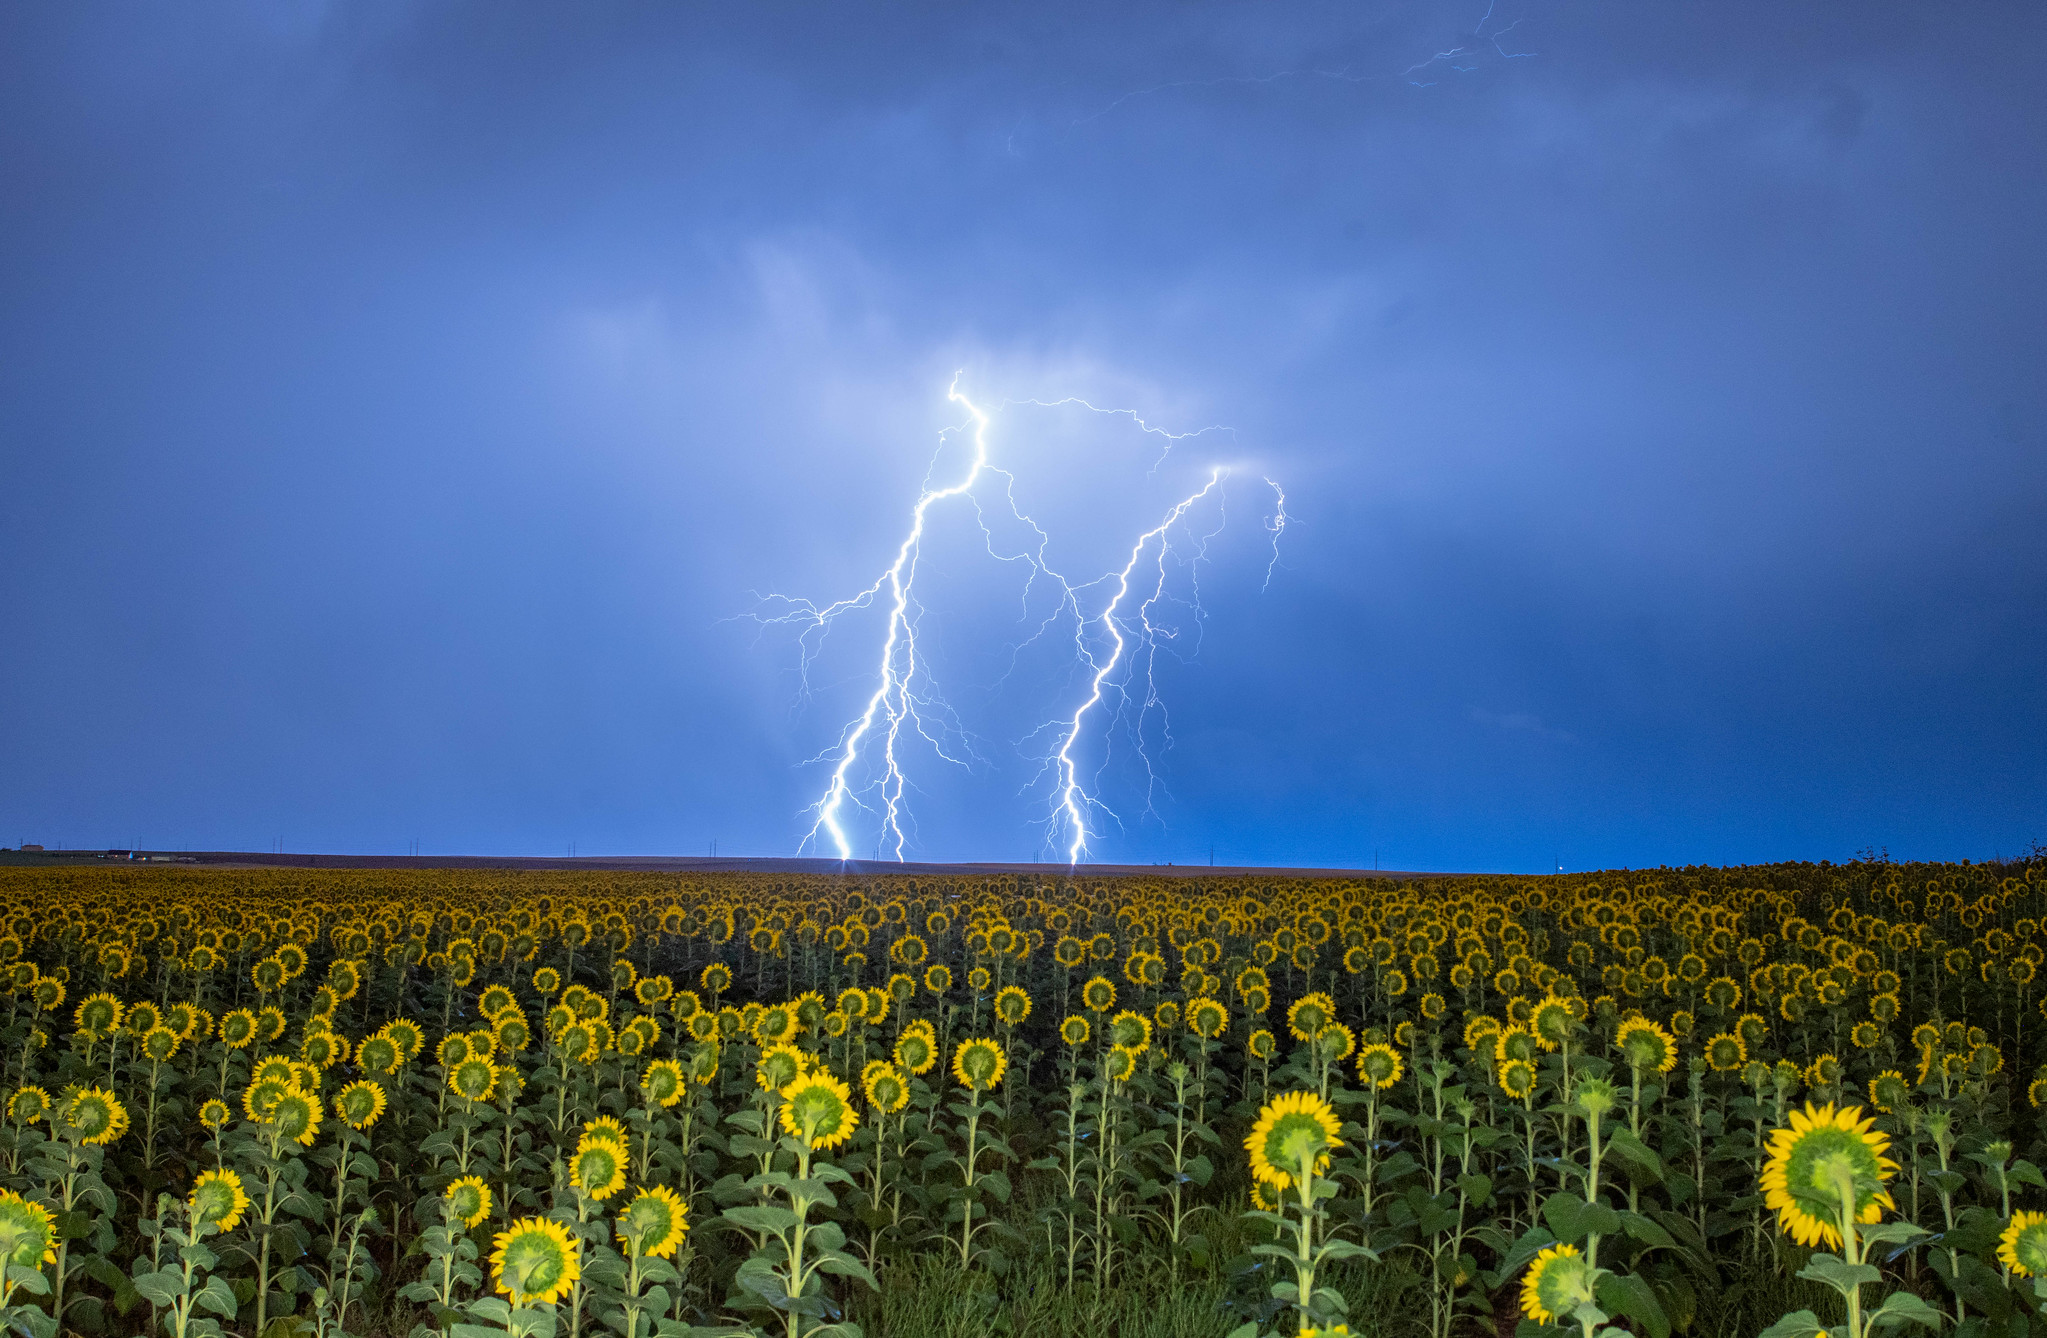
[[1789, 1100]]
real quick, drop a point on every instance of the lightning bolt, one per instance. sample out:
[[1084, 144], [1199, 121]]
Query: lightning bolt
[[905, 703]]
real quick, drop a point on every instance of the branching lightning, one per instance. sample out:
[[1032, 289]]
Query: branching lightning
[[1114, 647]]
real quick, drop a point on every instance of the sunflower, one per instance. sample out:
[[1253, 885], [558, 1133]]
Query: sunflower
[[2023, 1246], [28, 1105], [1261, 1044], [1646, 1046], [28, 1233], [979, 1064], [938, 978], [360, 1103], [1131, 1030], [467, 1201], [1552, 1022], [1119, 1064], [1823, 1072], [296, 1114], [779, 1066], [407, 1036], [818, 1109], [1206, 1018], [95, 1116], [598, 1168], [1099, 994], [535, 1261], [1726, 1053], [1074, 1031], [218, 1200], [238, 1028], [1012, 1005], [1517, 1078], [1822, 1152], [1865, 1035], [887, 1089], [653, 1224], [98, 1012], [473, 1079], [1296, 1128], [1334, 1043], [1309, 1014], [1557, 1283], [662, 1082], [495, 999], [606, 1128], [1379, 1065]]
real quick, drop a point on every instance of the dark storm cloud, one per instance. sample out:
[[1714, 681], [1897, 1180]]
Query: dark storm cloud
[[397, 399]]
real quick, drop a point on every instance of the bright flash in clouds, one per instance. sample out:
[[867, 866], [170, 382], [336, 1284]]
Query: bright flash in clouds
[[1112, 619]]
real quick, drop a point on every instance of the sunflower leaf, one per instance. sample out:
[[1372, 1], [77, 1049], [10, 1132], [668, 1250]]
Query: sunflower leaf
[[1903, 1307], [1838, 1273]]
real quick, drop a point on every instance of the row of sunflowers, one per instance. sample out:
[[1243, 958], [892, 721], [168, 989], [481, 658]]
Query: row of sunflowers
[[272, 1102]]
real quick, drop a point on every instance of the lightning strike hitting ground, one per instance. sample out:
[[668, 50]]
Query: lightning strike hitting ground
[[905, 702]]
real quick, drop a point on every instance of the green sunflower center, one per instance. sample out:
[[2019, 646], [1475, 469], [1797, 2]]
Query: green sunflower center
[[534, 1263], [1824, 1160], [1295, 1136]]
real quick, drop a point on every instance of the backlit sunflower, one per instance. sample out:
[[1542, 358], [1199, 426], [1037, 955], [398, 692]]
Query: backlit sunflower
[[818, 1109], [1099, 994], [1517, 1078], [1131, 1030], [1207, 1018], [1552, 1022], [2023, 1246], [979, 1064], [1012, 1005], [28, 1105], [1725, 1053], [214, 1115], [1297, 1128], [1309, 1014], [1646, 1046], [1557, 1283], [535, 1261], [238, 1028], [1826, 1155], [606, 1128], [1074, 1030], [1379, 1065], [360, 1103], [887, 1089], [473, 1079], [28, 1234], [467, 1201], [93, 1115], [662, 1083], [1889, 1090], [1261, 1044], [938, 978], [779, 1066], [296, 1114], [1119, 1064], [218, 1200], [653, 1224], [598, 1168]]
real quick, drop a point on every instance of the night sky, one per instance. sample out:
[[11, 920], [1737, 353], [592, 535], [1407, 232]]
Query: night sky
[[404, 409]]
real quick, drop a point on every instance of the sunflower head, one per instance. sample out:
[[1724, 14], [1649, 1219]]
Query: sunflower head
[[28, 1105], [1726, 1052], [1646, 1046], [817, 1109], [360, 1103], [1517, 1078], [2023, 1246], [296, 1113], [1074, 1030], [218, 1200], [1379, 1065], [1207, 1018], [653, 1224], [473, 1079], [606, 1128], [1131, 1030], [535, 1261], [598, 1168], [1825, 1162], [94, 1115], [1552, 1022], [1889, 1090], [662, 1082], [979, 1064], [779, 1066], [466, 1201], [1261, 1044], [1012, 1005], [28, 1234], [887, 1089], [1119, 1064], [1293, 1134], [1557, 1283]]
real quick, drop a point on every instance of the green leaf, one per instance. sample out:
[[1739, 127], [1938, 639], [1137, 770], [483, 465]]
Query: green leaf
[[1646, 1231], [1838, 1273], [761, 1217], [1797, 1324], [1902, 1307], [1564, 1214], [218, 1297], [1636, 1154], [1632, 1297], [161, 1288]]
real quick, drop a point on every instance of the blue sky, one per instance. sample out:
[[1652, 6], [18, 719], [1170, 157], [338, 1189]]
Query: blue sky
[[403, 407]]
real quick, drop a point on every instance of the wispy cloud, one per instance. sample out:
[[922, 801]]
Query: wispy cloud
[[1520, 722]]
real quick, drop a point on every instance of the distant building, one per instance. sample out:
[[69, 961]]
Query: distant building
[[30, 848]]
